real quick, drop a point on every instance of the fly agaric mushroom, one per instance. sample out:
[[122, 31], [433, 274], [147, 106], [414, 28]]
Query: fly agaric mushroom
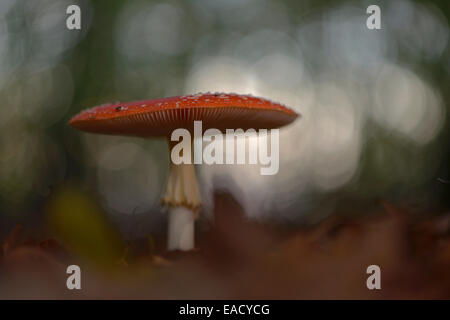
[[160, 117]]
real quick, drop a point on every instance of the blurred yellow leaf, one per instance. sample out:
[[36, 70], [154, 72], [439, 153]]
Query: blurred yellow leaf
[[83, 228]]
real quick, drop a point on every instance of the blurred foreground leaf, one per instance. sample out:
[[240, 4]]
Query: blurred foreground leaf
[[84, 229]]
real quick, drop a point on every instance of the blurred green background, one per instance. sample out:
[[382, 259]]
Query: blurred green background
[[374, 103]]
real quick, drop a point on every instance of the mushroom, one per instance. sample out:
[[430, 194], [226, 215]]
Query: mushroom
[[160, 117]]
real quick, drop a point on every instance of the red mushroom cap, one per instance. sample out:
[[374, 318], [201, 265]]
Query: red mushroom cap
[[159, 117]]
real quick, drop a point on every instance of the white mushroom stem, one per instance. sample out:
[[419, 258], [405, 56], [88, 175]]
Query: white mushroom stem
[[183, 198], [181, 229]]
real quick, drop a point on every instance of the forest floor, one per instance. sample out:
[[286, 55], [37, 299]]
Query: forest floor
[[239, 259]]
